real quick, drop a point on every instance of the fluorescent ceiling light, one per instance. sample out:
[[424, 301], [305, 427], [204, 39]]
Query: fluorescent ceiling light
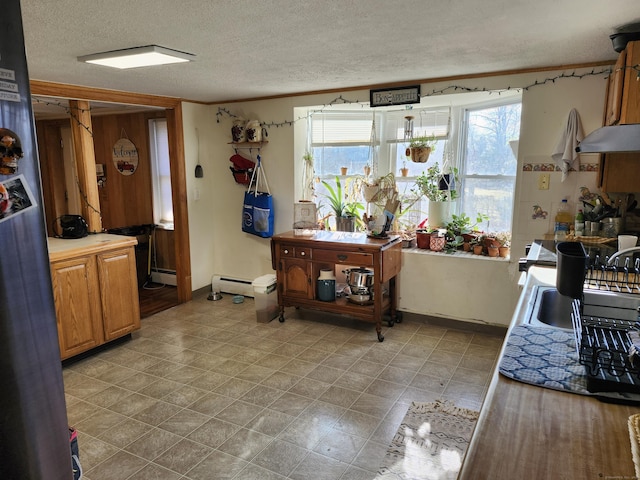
[[138, 57]]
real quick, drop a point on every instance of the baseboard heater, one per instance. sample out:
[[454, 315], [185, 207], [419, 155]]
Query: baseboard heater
[[166, 277], [235, 286]]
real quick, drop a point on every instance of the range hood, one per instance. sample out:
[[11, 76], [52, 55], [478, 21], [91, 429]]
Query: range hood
[[616, 138]]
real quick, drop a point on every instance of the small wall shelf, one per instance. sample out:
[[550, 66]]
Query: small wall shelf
[[248, 145]]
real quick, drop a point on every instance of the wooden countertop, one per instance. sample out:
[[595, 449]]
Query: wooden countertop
[[62, 248], [336, 239], [529, 432]]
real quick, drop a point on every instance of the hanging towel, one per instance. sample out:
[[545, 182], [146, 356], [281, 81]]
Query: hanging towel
[[565, 154]]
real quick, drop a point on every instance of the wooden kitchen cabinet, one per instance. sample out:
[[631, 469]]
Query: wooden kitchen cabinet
[[619, 171], [75, 292], [118, 293], [95, 291], [298, 260], [623, 89]]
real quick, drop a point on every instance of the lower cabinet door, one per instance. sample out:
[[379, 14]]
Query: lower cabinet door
[[77, 302], [119, 293], [296, 278]]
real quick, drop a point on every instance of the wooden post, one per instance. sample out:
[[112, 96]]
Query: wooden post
[[84, 152]]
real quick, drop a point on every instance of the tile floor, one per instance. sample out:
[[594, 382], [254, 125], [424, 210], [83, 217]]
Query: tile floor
[[203, 391]]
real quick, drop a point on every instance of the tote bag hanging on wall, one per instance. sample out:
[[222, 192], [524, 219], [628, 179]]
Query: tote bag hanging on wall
[[257, 210]]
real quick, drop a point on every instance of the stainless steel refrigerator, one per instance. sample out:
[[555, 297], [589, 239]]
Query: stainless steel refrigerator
[[34, 436]]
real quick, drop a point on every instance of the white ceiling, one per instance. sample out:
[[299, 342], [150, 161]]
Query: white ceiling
[[257, 48]]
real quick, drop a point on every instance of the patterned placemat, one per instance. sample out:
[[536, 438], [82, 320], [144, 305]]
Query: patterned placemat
[[544, 356]]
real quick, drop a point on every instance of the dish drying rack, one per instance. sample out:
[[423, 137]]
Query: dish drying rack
[[623, 276], [603, 345]]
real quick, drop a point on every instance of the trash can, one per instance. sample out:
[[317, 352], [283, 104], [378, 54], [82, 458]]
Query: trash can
[[266, 298]]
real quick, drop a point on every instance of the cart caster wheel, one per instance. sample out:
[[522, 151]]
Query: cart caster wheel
[[398, 317], [390, 322], [281, 318], [380, 337]]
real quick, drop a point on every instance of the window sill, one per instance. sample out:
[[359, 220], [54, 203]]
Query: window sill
[[164, 226], [456, 254]]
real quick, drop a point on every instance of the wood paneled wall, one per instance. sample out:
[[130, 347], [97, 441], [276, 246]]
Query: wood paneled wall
[[51, 171], [125, 199]]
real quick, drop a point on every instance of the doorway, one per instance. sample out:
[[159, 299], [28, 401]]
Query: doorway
[[172, 110]]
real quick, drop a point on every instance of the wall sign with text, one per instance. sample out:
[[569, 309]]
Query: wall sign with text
[[384, 97], [125, 156]]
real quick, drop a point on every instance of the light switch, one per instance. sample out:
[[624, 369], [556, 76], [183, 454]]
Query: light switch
[[543, 181]]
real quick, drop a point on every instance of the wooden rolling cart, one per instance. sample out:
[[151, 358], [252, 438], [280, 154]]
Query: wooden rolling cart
[[298, 259]]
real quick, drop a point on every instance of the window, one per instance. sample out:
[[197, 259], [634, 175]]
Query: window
[[160, 173], [471, 136], [489, 164]]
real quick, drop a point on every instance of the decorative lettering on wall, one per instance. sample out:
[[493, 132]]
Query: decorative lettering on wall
[[125, 156]]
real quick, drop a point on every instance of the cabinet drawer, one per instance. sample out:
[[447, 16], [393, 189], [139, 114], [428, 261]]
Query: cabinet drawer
[[347, 258], [288, 251]]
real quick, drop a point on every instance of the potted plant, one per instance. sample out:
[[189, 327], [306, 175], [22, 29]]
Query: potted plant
[[462, 225], [421, 147], [504, 239], [345, 210], [404, 171], [491, 244], [428, 184], [477, 245]]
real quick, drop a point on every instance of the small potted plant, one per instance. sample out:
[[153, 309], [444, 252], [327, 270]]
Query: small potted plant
[[504, 238], [421, 147], [492, 244], [404, 171], [477, 245], [462, 225]]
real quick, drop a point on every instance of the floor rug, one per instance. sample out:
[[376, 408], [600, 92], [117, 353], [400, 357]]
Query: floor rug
[[429, 444]]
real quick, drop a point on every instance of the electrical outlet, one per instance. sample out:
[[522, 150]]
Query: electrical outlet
[[543, 181]]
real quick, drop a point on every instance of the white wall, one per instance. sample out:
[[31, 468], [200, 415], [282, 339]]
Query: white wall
[[480, 290]]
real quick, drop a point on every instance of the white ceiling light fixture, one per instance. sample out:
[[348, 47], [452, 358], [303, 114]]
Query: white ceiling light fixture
[[138, 57]]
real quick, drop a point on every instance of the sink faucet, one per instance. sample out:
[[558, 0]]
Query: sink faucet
[[622, 252]]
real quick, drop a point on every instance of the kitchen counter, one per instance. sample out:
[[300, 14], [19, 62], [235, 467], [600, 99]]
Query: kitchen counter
[[94, 289], [61, 248], [529, 432]]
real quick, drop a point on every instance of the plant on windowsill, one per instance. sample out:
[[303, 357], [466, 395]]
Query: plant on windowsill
[[461, 226], [344, 207], [477, 244], [504, 240], [428, 184]]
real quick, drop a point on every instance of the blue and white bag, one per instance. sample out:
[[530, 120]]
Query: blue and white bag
[[257, 210]]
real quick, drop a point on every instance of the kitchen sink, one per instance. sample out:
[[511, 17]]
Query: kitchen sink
[[547, 307]]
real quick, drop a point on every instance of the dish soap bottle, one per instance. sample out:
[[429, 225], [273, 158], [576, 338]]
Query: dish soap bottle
[[579, 223], [563, 220]]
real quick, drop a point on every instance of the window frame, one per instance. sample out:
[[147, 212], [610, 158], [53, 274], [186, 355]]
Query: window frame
[[160, 175], [389, 156]]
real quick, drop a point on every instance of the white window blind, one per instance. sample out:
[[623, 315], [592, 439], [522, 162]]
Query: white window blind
[[340, 128], [425, 122]]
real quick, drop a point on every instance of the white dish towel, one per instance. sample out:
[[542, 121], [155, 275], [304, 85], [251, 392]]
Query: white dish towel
[[565, 154]]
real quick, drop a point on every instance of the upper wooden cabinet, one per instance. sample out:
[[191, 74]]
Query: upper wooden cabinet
[[620, 172], [623, 90], [614, 91]]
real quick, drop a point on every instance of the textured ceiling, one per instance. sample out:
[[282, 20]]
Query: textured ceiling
[[256, 48]]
